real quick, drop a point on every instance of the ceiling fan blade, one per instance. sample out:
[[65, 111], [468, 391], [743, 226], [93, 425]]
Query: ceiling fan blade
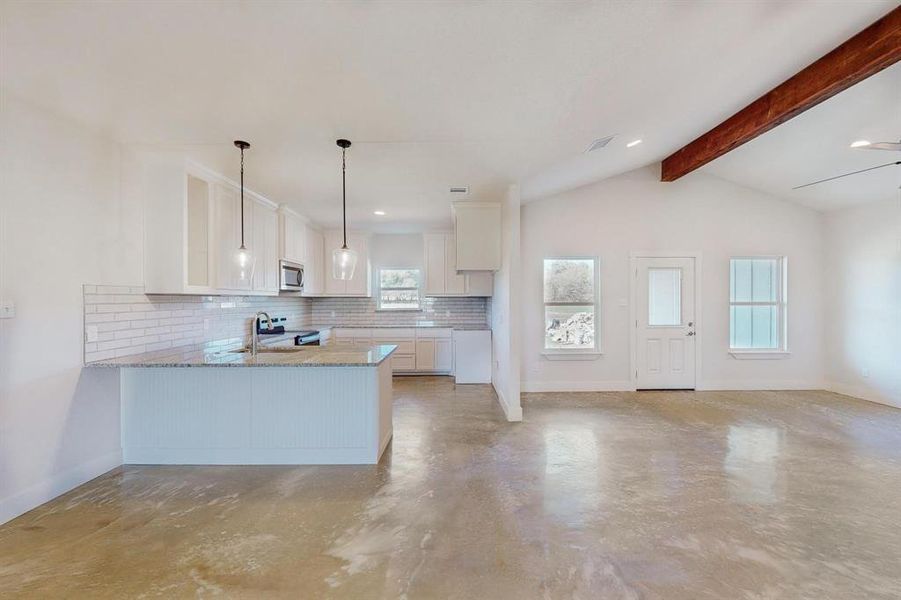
[[897, 162], [884, 146]]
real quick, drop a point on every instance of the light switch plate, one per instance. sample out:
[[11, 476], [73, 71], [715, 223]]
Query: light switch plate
[[90, 333], [7, 310]]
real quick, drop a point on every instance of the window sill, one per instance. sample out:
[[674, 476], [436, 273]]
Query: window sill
[[394, 310], [571, 355], [760, 354]]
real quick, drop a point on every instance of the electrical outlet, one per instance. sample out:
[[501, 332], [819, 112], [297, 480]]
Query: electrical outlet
[[7, 310], [865, 372], [90, 333]]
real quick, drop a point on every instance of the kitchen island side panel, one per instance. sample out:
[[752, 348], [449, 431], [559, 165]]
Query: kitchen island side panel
[[328, 415]]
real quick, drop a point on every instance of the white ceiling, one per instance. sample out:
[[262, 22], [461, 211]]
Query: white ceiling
[[815, 145], [432, 94]]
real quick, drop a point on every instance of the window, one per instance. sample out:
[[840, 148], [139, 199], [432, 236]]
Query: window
[[570, 304], [398, 289], [757, 303]]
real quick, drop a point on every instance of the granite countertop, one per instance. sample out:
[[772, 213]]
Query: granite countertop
[[337, 355]]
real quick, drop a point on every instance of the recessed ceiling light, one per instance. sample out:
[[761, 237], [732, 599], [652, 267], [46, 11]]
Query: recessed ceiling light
[[860, 144], [379, 213], [633, 143]]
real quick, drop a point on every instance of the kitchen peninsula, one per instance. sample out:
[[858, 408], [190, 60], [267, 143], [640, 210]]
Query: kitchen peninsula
[[316, 405]]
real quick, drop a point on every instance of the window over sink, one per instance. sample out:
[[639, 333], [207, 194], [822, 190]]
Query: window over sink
[[399, 289]]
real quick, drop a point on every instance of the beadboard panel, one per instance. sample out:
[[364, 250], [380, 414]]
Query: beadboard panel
[[323, 409], [322, 415]]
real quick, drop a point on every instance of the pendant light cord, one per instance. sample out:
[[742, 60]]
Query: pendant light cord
[[344, 194], [242, 198]]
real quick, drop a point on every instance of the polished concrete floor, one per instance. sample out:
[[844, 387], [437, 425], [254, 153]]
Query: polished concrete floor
[[674, 496]]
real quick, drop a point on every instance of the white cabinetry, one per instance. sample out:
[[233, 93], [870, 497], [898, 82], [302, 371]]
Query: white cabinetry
[[441, 275], [419, 350], [314, 264], [434, 350], [444, 355], [425, 355], [360, 284], [477, 226], [265, 248], [192, 230], [292, 236]]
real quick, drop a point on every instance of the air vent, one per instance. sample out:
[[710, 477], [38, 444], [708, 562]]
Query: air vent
[[462, 190], [599, 143]]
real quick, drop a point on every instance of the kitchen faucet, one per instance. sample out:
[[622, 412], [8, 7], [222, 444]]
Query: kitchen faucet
[[253, 331]]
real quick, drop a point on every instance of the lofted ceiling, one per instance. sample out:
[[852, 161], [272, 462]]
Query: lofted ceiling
[[432, 94], [815, 145]]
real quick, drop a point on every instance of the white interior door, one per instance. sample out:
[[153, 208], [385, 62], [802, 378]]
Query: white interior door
[[665, 332]]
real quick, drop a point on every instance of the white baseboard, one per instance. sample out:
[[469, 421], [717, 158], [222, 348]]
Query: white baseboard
[[513, 413], [862, 392], [32, 497], [759, 385], [578, 386]]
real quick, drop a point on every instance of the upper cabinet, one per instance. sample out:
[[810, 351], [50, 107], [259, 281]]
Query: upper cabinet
[[314, 263], [192, 231], [442, 277], [292, 236], [361, 283], [477, 226]]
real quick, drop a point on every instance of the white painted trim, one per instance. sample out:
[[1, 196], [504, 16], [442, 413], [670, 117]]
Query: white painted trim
[[56, 485], [633, 314], [513, 413], [752, 385], [862, 393], [578, 386], [571, 355], [759, 355]]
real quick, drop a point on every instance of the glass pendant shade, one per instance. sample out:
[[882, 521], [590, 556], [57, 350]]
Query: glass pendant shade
[[344, 261], [245, 262]]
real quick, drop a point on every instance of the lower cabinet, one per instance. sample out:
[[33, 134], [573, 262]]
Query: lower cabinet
[[438, 350], [425, 355], [444, 355]]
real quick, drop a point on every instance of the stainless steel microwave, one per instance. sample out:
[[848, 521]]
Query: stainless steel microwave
[[290, 276]]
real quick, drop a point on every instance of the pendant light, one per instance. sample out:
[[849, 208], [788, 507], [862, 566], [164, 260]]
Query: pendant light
[[243, 257], [344, 260]]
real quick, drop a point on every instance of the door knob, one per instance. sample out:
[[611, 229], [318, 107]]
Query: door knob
[[690, 333], [690, 323]]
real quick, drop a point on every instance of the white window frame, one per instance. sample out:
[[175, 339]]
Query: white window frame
[[781, 305], [379, 289], [574, 353]]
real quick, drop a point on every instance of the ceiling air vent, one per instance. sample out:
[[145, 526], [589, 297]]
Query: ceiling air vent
[[459, 190], [599, 143]]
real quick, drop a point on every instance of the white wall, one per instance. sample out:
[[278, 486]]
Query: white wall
[[395, 251], [635, 211], [65, 222], [863, 291], [506, 312]]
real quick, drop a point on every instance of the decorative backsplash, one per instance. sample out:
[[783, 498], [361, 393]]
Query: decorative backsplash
[[123, 320], [438, 311]]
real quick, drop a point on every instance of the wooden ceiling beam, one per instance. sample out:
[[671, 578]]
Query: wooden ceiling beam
[[873, 49]]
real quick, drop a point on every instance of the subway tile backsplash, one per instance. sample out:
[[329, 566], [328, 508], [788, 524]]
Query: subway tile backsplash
[[123, 320], [361, 312]]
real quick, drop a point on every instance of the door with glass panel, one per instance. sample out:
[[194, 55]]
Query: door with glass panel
[[665, 333]]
